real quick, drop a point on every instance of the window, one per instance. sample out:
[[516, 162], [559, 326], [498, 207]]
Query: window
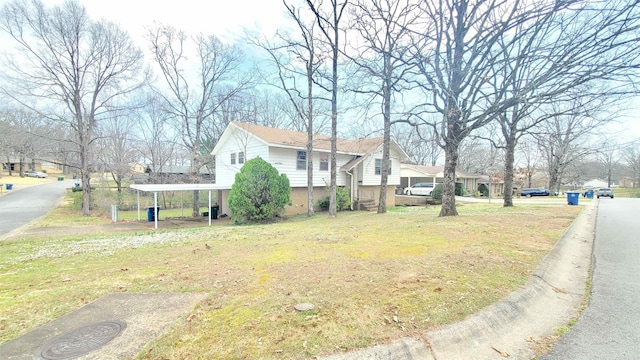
[[324, 161], [241, 157], [233, 158], [302, 160], [379, 167]]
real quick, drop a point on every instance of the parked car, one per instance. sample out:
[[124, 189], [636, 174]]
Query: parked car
[[534, 192], [36, 174], [605, 192], [420, 189]]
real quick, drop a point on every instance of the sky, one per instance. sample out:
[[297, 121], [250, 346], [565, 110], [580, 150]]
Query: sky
[[229, 19], [226, 18]]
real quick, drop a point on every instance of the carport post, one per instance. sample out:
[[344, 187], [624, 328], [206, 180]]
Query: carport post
[[155, 208], [210, 212], [138, 192]]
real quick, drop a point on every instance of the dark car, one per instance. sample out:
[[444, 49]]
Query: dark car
[[534, 192], [605, 192]]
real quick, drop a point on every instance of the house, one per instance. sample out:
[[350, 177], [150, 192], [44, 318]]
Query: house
[[413, 174], [28, 164], [357, 163], [175, 173]]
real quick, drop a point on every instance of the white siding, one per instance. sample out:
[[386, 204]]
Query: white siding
[[369, 176], [285, 160], [252, 147]]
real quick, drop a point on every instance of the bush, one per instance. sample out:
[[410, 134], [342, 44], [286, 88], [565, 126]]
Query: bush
[[259, 193], [459, 191], [436, 193], [343, 200]]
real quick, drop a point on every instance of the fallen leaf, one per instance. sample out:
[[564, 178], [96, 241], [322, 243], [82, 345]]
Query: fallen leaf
[[502, 353]]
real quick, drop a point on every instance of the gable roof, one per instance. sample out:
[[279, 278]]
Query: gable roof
[[298, 140]]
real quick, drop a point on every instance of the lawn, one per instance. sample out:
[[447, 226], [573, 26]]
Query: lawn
[[372, 278]]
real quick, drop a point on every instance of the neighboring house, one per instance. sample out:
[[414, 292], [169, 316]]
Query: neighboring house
[[357, 163], [627, 182], [413, 174], [175, 174], [27, 164], [138, 168], [497, 185]]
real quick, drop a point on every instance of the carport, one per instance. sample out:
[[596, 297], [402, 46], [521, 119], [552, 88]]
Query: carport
[[156, 188]]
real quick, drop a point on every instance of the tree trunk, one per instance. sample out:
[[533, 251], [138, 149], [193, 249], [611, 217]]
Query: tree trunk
[[334, 119], [508, 172], [310, 204], [384, 166], [449, 184]]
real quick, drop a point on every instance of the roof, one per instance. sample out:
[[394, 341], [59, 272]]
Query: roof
[[175, 169], [298, 139], [176, 187], [437, 171]]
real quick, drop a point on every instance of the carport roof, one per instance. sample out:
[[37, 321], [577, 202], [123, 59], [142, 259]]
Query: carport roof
[[176, 187]]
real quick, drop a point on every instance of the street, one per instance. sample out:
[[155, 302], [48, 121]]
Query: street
[[608, 328], [19, 207]]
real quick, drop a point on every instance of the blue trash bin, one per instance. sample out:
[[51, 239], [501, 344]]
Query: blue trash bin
[[151, 215], [589, 194], [573, 197], [9, 186]]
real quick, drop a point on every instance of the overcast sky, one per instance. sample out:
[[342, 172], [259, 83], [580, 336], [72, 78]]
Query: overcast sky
[[227, 19]]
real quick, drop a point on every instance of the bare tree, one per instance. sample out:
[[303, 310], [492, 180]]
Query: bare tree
[[294, 59], [329, 18], [383, 26], [20, 140], [157, 138], [563, 49], [420, 143], [529, 153], [118, 150], [194, 100], [609, 159], [455, 61], [564, 138], [71, 69], [631, 155]]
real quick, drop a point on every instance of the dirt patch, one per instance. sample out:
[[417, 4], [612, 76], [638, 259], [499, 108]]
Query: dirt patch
[[120, 227]]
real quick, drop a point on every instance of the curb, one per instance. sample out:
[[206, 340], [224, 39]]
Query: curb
[[551, 298]]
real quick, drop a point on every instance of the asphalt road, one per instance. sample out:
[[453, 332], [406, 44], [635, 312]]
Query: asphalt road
[[608, 329], [23, 204]]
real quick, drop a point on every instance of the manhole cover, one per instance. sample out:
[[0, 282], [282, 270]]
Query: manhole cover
[[82, 341]]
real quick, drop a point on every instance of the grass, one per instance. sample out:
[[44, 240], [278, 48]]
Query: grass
[[372, 278], [626, 192]]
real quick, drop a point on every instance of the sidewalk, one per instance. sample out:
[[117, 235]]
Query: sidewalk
[[550, 299]]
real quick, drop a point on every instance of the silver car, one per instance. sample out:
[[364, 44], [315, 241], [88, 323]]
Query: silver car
[[605, 192], [36, 174], [424, 189]]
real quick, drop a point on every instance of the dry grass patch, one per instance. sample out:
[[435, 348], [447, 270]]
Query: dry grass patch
[[372, 278]]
